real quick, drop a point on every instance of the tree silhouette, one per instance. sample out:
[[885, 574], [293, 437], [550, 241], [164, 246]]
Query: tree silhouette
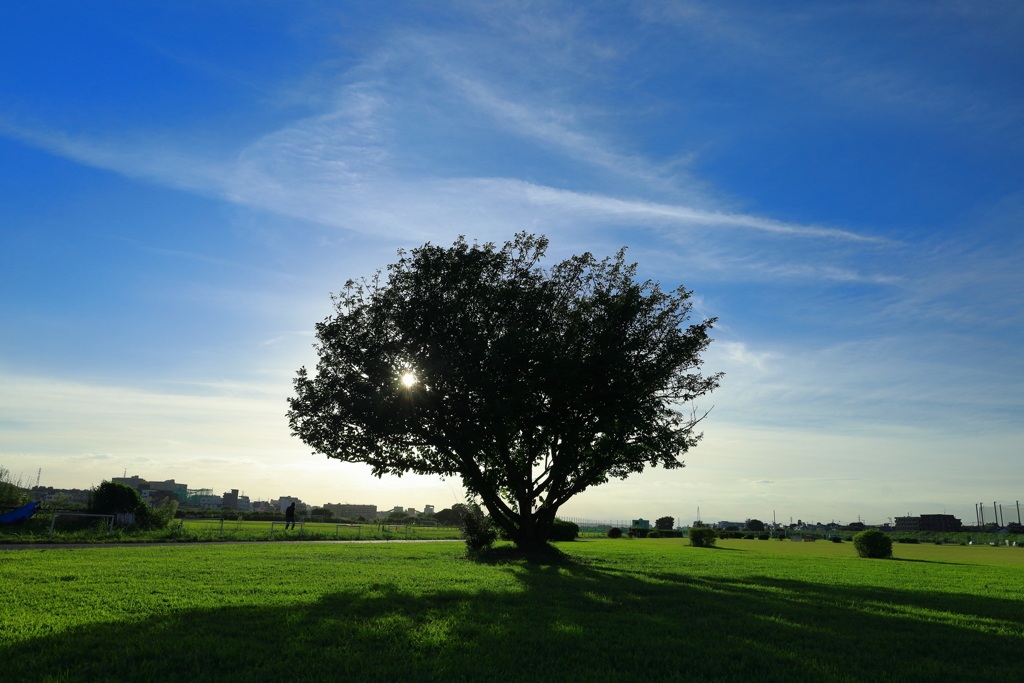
[[530, 384]]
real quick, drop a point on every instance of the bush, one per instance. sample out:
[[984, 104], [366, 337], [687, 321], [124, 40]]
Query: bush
[[783, 537], [12, 492], [907, 540], [749, 537], [836, 539], [477, 529], [873, 543], [163, 514], [563, 531], [653, 533], [615, 532], [703, 537], [113, 498], [763, 537]]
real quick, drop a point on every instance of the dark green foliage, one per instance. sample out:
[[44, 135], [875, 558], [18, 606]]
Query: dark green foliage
[[749, 537], [907, 540], [732, 528], [664, 523], [12, 493], [763, 536], [653, 533], [162, 515], [836, 539], [615, 532], [564, 531], [703, 537], [782, 537], [531, 385], [451, 516], [110, 498], [873, 543], [755, 525], [477, 528]]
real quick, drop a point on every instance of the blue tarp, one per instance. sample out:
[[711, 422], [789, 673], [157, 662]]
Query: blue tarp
[[18, 514]]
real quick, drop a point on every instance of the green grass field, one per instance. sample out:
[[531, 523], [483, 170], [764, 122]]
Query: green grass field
[[641, 610], [83, 530]]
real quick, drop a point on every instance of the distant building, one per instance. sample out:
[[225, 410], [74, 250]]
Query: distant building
[[350, 511], [940, 523], [641, 524], [284, 501], [723, 524], [231, 499], [210, 502], [135, 481], [428, 509], [48, 494]]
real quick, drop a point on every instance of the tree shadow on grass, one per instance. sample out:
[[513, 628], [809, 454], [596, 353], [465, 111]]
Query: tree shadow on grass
[[562, 621], [910, 559]]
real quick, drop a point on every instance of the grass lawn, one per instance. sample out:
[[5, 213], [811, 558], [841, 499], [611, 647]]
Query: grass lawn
[[641, 610], [70, 530]]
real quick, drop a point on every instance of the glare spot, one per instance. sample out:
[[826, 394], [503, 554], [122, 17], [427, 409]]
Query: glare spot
[[408, 379]]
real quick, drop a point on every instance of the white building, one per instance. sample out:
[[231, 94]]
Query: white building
[[428, 509], [284, 501]]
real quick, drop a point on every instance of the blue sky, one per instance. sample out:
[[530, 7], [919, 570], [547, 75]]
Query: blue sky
[[183, 184]]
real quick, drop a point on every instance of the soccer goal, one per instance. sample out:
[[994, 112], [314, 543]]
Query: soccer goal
[[53, 519], [301, 526]]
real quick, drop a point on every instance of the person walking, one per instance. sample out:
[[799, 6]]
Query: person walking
[[289, 516]]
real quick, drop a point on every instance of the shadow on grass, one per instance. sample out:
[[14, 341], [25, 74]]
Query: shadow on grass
[[565, 622]]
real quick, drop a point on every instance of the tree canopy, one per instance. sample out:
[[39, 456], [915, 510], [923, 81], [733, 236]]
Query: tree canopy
[[664, 523], [530, 384]]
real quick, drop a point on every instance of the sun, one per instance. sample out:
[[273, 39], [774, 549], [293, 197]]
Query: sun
[[408, 379]]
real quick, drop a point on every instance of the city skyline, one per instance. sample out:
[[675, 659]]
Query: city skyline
[[841, 186]]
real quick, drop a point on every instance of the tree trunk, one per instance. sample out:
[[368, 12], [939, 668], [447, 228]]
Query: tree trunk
[[531, 532]]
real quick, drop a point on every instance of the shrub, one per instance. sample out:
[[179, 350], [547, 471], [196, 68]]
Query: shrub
[[703, 537], [749, 537], [836, 539], [763, 537], [163, 514], [477, 529], [653, 533], [563, 531], [873, 543], [782, 537], [907, 540], [112, 498], [615, 532], [12, 491]]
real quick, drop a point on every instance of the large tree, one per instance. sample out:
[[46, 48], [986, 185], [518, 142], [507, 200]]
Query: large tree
[[530, 384]]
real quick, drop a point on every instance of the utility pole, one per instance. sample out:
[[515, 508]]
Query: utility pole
[[39, 476], [981, 509], [995, 513]]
